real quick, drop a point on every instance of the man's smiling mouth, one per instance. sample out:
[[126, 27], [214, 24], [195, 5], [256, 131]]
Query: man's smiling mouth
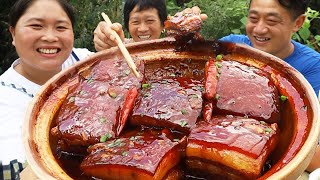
[[261, 39]]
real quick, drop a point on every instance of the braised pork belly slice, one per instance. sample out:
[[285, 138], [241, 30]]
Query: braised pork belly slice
[[188, 68], [172, 103], [98, 107], [183, 24], [246, 91], [148, 154], [236, 145]]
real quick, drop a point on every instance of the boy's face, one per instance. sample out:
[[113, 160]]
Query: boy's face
[[270, 27]]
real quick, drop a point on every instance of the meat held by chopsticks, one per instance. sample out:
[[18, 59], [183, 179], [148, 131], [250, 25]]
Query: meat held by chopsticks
[[183, 24]]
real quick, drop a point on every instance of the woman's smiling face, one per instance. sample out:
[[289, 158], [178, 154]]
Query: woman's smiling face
[[144, 24], [43, 36]]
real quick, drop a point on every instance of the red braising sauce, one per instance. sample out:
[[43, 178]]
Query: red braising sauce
[[292, 137]]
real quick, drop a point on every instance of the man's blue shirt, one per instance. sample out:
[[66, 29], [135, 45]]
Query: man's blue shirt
[[303, 58]]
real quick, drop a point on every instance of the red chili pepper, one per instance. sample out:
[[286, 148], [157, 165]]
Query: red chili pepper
[[127, 108], [207, 110], [211, 80]]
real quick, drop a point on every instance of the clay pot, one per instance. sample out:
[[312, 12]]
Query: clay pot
[[299, 125]]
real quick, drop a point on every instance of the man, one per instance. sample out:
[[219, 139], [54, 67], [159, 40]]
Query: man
[[270, 26]]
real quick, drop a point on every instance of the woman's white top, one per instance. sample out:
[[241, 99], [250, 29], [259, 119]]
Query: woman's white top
[[15, 95]]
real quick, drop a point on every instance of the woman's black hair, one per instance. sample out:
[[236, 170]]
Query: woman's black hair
[[20, 7], [159, 5]]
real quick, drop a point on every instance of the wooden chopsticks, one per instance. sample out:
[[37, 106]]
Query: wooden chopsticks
[[122, 48]]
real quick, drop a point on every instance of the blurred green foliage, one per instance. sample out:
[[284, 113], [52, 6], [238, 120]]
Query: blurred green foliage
[[89, 15], [7, 51], [224, 17], [305, 34]]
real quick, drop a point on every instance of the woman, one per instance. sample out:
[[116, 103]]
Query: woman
[[42, 33], [144, 20]]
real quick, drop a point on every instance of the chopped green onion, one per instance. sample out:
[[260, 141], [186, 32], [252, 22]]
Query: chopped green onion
[[283, 98], [104, 138], [82, 92], [184, 112], [102, 120], [183, 123], [116, 143], [268, 130], [72, 99], [89, 81], [125, 153], [219, 57], [144, 86], [218, 96], [126, 72], [218, 65]]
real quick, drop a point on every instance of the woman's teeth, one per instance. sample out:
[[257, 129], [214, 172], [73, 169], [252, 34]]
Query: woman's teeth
[[144, 37], [48, 51]]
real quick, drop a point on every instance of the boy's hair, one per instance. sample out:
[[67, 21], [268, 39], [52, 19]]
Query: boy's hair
[[159, 5]]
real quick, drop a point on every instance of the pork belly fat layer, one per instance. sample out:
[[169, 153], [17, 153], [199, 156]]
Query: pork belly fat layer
[[240, 144], [246, 91], [147, 155]]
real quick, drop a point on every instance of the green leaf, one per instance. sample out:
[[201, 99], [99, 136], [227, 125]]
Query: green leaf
[[244, 20], [304, 33], [306, 24], [296, 37], [236, 31]]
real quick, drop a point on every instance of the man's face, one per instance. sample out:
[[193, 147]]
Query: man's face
[[270, 27]]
